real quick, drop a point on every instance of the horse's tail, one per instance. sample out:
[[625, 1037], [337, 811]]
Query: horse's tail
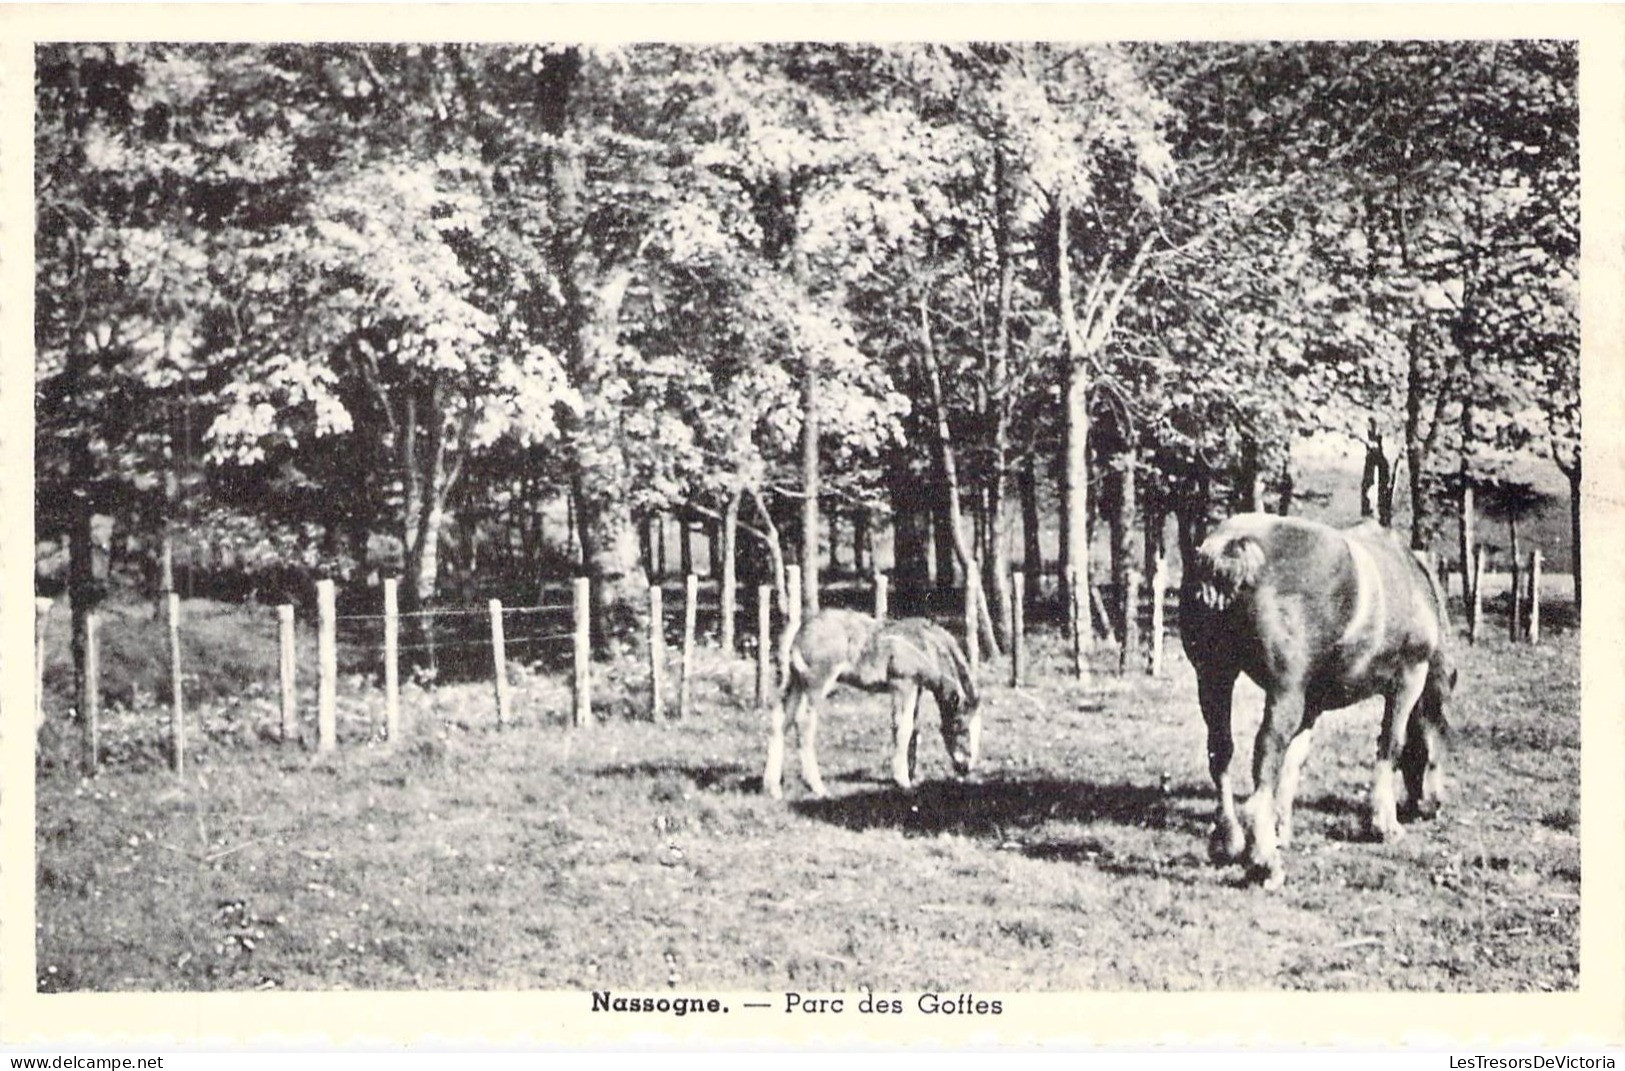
[[1224, 566]]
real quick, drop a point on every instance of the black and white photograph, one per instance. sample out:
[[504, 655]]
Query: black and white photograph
[[795, 532]]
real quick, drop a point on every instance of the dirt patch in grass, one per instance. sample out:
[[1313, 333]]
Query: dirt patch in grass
[[640, 855]]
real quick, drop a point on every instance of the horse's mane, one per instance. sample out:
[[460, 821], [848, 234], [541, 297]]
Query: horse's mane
[[951, 682], [1226, 563]]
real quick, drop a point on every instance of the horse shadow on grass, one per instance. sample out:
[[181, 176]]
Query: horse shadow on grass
[[707, 777], [1015, 814]]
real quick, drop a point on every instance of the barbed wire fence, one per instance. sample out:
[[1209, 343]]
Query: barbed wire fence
[[465, 644]]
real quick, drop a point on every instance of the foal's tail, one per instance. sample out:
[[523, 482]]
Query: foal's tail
[[1224, 566]]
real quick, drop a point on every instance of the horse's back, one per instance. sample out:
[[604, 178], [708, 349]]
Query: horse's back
[[1283, 596]]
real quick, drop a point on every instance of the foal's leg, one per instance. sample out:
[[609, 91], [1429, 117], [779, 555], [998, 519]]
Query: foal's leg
[[773, 774], [1283, 715], [807, 724], [905, 700], [1214, 689], [1291, 766], [1396, 718]]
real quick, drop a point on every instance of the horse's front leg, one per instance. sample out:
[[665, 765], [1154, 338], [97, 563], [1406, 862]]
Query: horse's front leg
[[1396, 717], [1215, 689], [905, 699], [1283, 716], [1291, 767]]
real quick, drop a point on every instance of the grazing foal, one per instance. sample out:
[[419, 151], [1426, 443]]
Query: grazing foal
[[1319, 618], [904, 657]]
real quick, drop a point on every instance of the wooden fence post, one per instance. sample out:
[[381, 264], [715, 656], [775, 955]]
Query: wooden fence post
[[1159, 588], [657, 652], [499, 660], [1475, 609], [392, 659], [691, 609], [882, 595], [327, 659], [42, 620], [764, 643], [93, 691], [581, 707], [1018, 629], [1131, 620], [288, 671], [1534, 595], [177, 712]]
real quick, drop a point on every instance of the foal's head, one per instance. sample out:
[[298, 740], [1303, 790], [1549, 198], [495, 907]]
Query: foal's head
[[961, 727]]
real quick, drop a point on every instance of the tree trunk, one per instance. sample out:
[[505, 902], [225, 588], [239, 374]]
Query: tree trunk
[[1377, 479], [1289, 484], [593, 292], [1517, 595], [1032, 551], [910, 528], [942, 543], [950, 476], [1467, 536], [809, 485], [730, 582], [861, 557], [775, 550], [998, 507], [1124, 532], [1419, 442], [1573, 474], [1074, 362], [82, 594], [1250, 478]]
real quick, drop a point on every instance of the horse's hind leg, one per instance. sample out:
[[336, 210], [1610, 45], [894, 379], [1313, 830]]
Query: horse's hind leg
[[905, 730], [807, 726], [773, 773], [1215, 688], [1396, 720]]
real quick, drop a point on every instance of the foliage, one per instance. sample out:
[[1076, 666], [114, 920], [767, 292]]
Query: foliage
[[417, 291]]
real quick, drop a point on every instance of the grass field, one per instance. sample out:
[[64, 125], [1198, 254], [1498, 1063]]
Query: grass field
[[639, 855]]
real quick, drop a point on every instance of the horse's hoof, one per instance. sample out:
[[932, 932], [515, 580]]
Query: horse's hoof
[[1225, 846], [1268, 874], [1386, 832], [1269, 878], [775, 792], [1426, 810]]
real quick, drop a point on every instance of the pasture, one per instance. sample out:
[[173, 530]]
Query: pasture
[[643, 856]]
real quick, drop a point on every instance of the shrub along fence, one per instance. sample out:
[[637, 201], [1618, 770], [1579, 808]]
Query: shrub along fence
[[475, 643]]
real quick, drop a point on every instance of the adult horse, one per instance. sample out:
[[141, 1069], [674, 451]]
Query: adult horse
[[905, 657], [1319, 618]]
